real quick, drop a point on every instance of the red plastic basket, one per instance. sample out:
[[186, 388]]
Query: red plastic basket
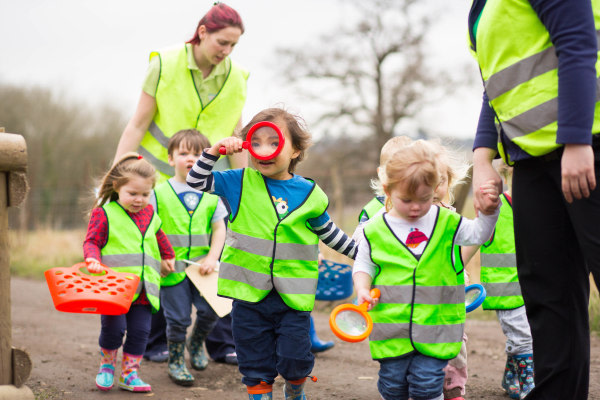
[[75, 290]]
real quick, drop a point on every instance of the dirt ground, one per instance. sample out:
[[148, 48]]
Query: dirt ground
[[64, 352]]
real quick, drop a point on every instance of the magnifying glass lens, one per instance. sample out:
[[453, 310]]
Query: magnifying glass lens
[[351, 323], [471, 296], [264, 141]]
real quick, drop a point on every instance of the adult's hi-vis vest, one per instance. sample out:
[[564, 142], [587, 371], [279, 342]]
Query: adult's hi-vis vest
[[519, 67], [127, 250], [499, 264], [263, 253], [188, 234], [422, 303], [178, 106]]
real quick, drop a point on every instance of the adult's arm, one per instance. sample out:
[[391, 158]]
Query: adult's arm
[[484, 152], [137, 126], [573, 33]]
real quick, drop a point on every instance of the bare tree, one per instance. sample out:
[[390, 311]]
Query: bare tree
[[367, 77]]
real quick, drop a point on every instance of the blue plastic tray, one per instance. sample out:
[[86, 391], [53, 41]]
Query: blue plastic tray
[[335, 281]]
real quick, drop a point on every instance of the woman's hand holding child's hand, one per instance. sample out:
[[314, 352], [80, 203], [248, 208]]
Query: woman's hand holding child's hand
[[167, 266], [490, 199], [94, 265], [364, 295], [231, 144]]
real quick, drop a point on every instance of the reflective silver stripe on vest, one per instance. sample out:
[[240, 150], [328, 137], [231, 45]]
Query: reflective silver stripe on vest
[[151, 289], [498, 260], [423, 295], [295, 285], [180, 266], [420, 333], [523, 71], [184, 240], [262, 247], [235, 273], [502, 289], [161, 166], [128, 260], [389, 331], [158, 134]]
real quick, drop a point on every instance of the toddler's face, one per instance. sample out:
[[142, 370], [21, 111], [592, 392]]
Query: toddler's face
[[410, 206], [183, 159], [134, 196], [275, 168]]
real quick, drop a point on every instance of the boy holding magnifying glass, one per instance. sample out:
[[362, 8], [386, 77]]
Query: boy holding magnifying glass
[[269, 265]]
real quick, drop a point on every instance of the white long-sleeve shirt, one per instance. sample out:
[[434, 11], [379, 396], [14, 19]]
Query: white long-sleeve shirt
[[470, 232]]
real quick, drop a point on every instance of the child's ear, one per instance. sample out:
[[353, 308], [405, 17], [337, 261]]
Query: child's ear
[[171, 161], [296, 153]]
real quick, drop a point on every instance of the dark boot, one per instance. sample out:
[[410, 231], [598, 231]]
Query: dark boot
[[316, 344], [195, 346], [178, 372]]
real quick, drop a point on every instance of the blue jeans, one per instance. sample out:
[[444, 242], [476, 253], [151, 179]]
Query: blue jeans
[[137, 325], [416, 376], [270, 339], [177, 301]]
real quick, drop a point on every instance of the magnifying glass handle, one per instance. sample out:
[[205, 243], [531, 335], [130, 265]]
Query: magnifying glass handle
[[223, 150], [374, 293]]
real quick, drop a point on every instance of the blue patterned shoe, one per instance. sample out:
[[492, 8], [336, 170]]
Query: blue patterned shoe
[[294, 390], [510, 380], [262, 391], [525, 365], [106, 375]]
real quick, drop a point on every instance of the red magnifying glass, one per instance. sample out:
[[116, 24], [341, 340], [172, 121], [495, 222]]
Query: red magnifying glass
[[352, 323], [264, 141]]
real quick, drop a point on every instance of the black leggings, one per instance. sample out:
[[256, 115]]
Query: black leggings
[[558, 245]]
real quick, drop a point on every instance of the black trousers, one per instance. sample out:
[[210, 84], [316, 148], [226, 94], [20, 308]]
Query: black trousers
[[558, 245]]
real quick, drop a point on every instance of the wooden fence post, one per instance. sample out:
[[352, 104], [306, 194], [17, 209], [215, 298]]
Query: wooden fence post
[[15, 364]]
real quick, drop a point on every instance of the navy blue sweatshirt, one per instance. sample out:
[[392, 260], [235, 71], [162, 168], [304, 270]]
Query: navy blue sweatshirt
[[570, 24]]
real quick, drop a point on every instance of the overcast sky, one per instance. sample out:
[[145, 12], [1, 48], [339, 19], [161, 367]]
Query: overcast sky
[[97, 51]]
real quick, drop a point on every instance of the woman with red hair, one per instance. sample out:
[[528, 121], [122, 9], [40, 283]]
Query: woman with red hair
[[191, 85]]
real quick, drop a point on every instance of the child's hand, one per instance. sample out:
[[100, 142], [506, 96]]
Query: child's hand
[[490, 198], [231, 144], [94, 265], [167, 266], [208, 265], [320, 258], [364, 295]]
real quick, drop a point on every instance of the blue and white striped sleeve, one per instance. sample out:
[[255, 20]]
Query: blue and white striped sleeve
[[334, 237], [200, 176]]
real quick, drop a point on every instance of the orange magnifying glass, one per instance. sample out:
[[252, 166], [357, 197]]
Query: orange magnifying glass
[[352, 323]]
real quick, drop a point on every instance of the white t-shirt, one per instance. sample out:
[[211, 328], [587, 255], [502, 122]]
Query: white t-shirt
[[415, 235]]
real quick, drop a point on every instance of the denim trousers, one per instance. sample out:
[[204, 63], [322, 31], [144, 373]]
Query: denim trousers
[[414, 376]]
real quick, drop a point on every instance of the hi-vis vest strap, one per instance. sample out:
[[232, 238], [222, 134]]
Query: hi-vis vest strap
[[499, 264], [188, 234], [127, 250], [422, 303], [519, 68], [371, 208], [179, 107], [263, 252]]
